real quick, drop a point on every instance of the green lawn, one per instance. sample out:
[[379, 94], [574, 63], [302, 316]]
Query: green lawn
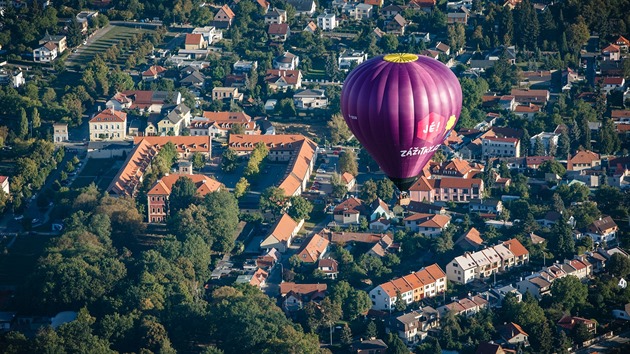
[[99, 171]]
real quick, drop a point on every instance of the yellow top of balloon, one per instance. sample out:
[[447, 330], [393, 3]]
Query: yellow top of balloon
[[400, 58]]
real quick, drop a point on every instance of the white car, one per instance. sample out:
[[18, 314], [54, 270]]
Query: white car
[[18, 217]]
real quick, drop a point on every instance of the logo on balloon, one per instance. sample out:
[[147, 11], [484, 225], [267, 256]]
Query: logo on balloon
[[430, 127]]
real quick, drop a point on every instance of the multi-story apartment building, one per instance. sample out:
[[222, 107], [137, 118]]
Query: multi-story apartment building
[[446, 189], [493, 146], [427, 282]]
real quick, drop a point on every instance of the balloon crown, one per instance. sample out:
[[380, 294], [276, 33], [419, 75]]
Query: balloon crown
[[400, 58]]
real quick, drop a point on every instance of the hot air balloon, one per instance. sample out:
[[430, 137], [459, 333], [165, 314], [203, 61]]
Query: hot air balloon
[[401, 107]]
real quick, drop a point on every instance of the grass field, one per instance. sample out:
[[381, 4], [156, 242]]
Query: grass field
[[317, 70], [113, 36], [99, 171], [21, 258]]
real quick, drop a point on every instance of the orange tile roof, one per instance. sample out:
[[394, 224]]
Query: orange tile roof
[[303, 289], [620, 113], [315, 247], [516, 247], [263, 3], [290, 76], [611, 48], [226, 9], [204, 184], [232, 117], [344, 237], [109, 115], [154, 70], [374, 2], [401, 285], [300, 163], [435, 271], [183, 143], [473, 236], [423, 184], [584, 156], [194, 38], [284, 228], [128, 178], [347, 177], [278, 29]]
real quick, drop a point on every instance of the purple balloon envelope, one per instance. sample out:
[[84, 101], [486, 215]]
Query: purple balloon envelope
[[401, 107]]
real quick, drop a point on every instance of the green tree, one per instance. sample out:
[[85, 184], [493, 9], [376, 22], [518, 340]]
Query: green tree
[[395, 345], [339, 186], [561, 241], [618, 265], [608, 138], [36, 121], [339, 131], [183, 194], [569, 292], [346, 336], [401, 304], [222, 218], [369, 191], [371, 331], [552, 166], [456, 37], [198, 161], [539, 147], [229, 160], [22, 130], [564, 145], [299, 208], [348, 162], [580, 333], [273, 199], [241, 187], [385, 189]]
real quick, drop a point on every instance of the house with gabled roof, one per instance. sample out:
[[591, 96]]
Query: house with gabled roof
[[46, 53], [303, 7], [514, 334], [279, 32], [422, 5], [314, 250], [567, 322], [108, 124], [612, 52], [583, 160], [195, 41], [224, 17], [349, 211], [282, 234], [154, 72], [384, 246], [286, 61], [282, 80], [446, 189], [310, 27], [329, 267], [427, 224], [310, 99], [275, 16], [454, 168], [159, 194], [295, 296], [467, 306], [603, 229], [470, 241], [218, 124], [397, 25]]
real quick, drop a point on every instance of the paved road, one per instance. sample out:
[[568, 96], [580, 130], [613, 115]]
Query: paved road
[[607, 345]]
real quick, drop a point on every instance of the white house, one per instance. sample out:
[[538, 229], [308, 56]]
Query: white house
[[282, 234], [350, 58], [547, 139], [210, 33], [427, 224], [60, 132], [46, 53], [602, 230], [327, 22], [108, 124], [462, 269], [310, 99], [286, 61]]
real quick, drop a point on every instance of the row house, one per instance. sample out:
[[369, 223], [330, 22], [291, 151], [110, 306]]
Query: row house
[[466, 306], [524, 96], [482, 264], [425, 283], [299, 151], [185, 145], [539, 284], [159, 194], [446, 189], [430, 225], [282, 234]]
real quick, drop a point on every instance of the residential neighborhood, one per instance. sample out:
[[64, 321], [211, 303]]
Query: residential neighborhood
[[182, 177]]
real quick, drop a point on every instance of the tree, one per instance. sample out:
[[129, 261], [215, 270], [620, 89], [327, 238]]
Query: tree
[[339, 131], [385, 189], [299, 208], [35, 119], [618, 265], [229, 160], [273, 199], [456, 37], [348, 162], [561, 241], [539, 147], [368, 191], [395, 345], [198, 161], [339, 186], [564, 145], [346, 336], [371, 331], [183, 194], [241, 187], [222, 218], [569, 292], [580, 333], [75, 34], [608, 138], [577, 34], [22, 131], [552, 166]]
